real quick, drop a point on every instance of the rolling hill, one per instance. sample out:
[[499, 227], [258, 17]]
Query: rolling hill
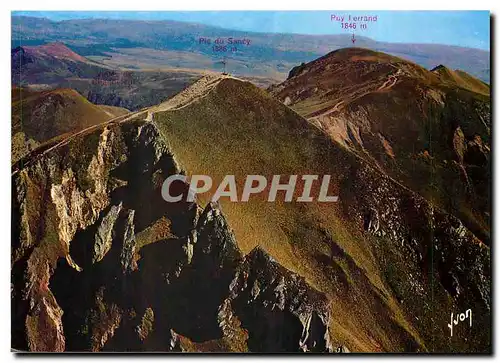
[[49, 63], [40, 116]]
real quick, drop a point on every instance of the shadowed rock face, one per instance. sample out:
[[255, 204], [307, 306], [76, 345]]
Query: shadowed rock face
[[283, 313], [100, 262], [68, 223]]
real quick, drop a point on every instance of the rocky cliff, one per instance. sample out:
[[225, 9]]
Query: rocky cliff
[[100, 263]]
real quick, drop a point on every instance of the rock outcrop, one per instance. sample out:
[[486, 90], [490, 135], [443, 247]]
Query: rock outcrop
[[88, 285]]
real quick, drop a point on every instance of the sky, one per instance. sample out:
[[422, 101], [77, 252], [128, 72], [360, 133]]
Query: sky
[[462, 28]]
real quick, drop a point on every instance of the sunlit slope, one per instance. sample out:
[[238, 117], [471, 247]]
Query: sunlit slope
[[114, 111], [41, 116], [462, 79], [430, 130], [236, 128]]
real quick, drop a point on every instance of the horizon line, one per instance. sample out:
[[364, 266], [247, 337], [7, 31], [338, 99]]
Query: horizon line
[[240, 30]]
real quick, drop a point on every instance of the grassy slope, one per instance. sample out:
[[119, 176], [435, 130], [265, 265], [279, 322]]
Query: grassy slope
[[40, 116], [266, 138], [344, 75], [114, 111], [462, 79], [418, 114]]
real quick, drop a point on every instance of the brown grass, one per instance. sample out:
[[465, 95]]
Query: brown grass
[[266, 138]]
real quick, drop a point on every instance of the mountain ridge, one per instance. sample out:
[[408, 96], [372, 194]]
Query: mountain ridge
[[56, 49], [56, 66], [389, 111], [389, 263]]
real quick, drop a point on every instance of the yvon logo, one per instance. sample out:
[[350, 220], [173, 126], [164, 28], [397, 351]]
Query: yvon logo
[[462, 317]]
